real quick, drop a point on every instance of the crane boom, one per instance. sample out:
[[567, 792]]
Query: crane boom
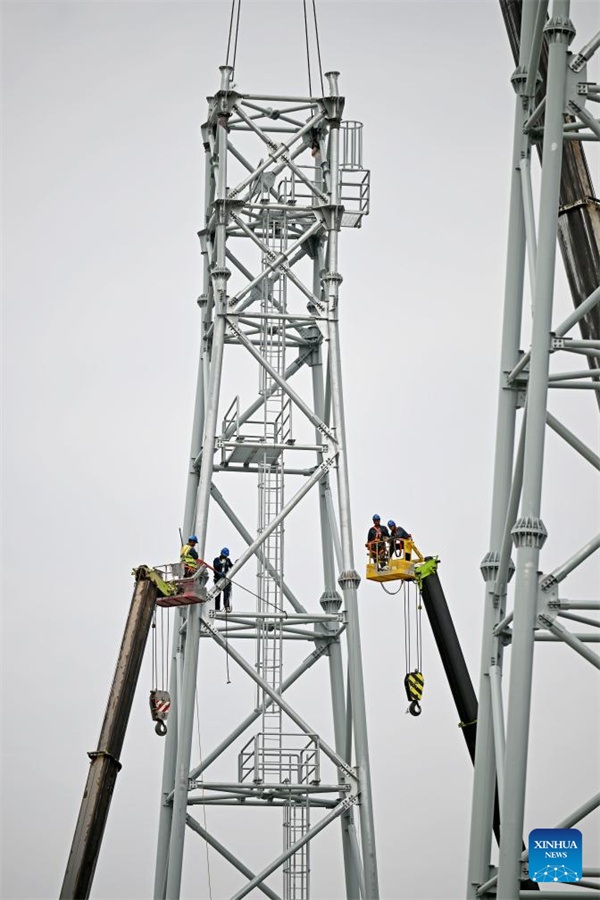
[[105, 765]]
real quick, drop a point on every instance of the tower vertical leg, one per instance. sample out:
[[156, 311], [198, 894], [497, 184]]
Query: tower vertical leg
[[192, 634], [329, 601], [529, 532], [170, 757], [349, 578], [484, 781]]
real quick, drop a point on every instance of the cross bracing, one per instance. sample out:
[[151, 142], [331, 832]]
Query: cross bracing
[[283, 176], [529, 601]]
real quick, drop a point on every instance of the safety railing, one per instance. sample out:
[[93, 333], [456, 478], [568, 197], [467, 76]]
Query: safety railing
[[381, 550], [355, 192], [264, 760]]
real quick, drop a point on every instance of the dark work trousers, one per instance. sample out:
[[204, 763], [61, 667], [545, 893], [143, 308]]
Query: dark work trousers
[[226, 596]]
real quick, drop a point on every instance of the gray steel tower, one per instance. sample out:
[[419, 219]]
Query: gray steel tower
[[283, 176], [548, 112]]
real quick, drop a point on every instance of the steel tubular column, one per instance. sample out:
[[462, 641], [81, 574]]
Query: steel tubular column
[[349, 578], [168, 776], [484, 782], [219, 275], [529, 531], [331, 598]]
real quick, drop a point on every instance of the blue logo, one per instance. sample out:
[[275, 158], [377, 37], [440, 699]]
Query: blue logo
[[555, 854]]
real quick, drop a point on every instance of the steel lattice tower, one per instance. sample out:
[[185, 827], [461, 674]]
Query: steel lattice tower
[[271, 288], [550, 112]]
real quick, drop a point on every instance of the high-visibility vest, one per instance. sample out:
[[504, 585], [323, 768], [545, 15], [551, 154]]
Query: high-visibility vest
[[186, 558]]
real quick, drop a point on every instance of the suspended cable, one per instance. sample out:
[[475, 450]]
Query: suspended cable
[[237, 32], [153, 684], [391, 593], [318, 47], [162, 651], [307, 47], [230, 32]]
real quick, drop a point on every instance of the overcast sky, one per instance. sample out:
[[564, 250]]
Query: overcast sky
[[103, 180]]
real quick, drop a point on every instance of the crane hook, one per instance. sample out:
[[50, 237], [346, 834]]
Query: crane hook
[[160, 728], [415, 708]]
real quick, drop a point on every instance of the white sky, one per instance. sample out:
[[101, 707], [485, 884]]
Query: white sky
[[103, 179]]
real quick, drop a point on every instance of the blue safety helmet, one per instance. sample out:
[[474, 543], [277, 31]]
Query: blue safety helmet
[[391, 524], [192, 538], [376, 517], [225, 551]]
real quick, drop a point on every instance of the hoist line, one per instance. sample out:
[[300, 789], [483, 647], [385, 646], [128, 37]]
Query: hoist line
[[419, 612], [162, 650], [237, 32], [230, 31], [153, 627], [314, 3], [307, 47]]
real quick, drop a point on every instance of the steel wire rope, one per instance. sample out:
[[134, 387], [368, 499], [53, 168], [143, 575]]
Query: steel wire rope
[[153, 685], [419, 615], [162, 651], [202, 790], [314, 4], [168, 645], [230, 32], [406, 628], [307, 47], [237, 32]]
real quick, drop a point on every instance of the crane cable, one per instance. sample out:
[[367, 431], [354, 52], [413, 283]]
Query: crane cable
[[160, 667], [318, 45], [232, 32], [413, 681]]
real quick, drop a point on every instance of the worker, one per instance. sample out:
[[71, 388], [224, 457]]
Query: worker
[[189, 557], [377, 542], [221, 566], [397, 537]]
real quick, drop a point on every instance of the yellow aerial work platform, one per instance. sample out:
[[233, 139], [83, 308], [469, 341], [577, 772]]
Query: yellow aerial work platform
[[401, 565]]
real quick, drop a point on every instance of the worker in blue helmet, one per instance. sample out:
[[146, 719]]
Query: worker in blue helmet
[[377, 542], [221, 566], [189, 557], [397, 537]]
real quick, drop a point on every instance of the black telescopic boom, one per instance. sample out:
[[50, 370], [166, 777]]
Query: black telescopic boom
[[455, 667], [105, 763]]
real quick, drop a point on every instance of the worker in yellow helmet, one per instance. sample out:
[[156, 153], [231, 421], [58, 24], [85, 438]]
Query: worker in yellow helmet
[[189, 557]]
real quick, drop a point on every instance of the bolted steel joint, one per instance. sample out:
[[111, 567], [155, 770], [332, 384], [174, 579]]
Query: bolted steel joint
[[330, 601], [202, 300], [560, 28], [489, 566], [331, 278], [529, 531], [349, 579], [518, 79], [220, 272]]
